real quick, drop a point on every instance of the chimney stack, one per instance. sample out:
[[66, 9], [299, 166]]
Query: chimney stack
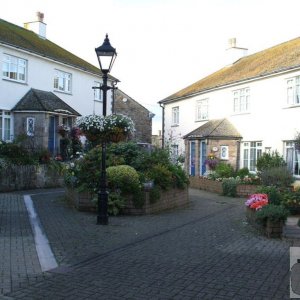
[[234, 53], [39, 27]]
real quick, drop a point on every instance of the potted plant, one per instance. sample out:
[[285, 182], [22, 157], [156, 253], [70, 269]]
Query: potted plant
[[272, 218], [111, 128]]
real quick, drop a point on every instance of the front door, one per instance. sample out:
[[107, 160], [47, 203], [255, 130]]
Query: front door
[[202, 157], [52, 134], [192, 158]]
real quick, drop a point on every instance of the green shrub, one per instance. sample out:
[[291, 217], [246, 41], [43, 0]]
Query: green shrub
[[269, 160], [276, 176], [180, 179], [291, 199], [271, 212], [229, 186], [115, 203], [224, 170], [161, 176], [123, 177], [243, 172], [274, 195]]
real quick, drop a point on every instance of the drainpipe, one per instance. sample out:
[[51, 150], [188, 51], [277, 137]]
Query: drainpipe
[[163, 126]]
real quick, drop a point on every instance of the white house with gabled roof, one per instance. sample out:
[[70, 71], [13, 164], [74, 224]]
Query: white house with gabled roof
[[259, 97], [48, 79]]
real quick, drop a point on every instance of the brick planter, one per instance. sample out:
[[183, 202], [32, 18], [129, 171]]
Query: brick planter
[[172, 198], [243, 190], [271, 229]]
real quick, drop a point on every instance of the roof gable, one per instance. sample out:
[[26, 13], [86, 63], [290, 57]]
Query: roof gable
[[279, 58], [22, 38], [37, 100], [214, 129]]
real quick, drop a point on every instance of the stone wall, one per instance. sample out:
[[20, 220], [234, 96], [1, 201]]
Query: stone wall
[[141, 116], [243, 190], [169, 199], [14, 178]]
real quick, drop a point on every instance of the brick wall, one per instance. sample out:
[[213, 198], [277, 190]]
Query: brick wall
[[169, 199], [243, 190]]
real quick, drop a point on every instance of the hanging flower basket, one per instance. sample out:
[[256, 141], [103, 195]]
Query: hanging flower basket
[[112, 128]]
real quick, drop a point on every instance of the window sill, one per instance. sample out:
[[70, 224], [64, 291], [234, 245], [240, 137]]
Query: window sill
[[291, 106], [14, 81], [175, 125], [62, 92], [96, 100], [241, 113], [202, 120]]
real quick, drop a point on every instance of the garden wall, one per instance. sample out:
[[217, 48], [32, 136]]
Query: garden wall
[[196, 182], [15, 177], [169, 199]]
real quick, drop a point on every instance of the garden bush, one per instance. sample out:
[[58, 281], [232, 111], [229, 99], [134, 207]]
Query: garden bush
[[269, 160], [271, 212], [276, 176], [224, 170], [229, 186], [124, 178]]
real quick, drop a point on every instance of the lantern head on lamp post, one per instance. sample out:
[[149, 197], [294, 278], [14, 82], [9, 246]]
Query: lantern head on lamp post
[[106, 55]]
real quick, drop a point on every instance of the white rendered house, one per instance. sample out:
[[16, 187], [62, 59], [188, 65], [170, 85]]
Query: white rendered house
[[258, 96], [42, 85]]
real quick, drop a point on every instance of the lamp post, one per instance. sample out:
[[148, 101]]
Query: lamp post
[[106, 55]]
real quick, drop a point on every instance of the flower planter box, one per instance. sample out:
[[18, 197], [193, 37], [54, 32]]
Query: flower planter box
[[243, 190], [172, 198], [274, 229]]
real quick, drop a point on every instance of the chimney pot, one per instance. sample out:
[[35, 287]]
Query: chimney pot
[[40, 16]]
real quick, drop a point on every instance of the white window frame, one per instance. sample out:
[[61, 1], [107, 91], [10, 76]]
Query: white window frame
[[241, 100], [294, 161], [202, 109], [97, 91], [293, 91], [30, 126], [14, 68], [62, 81], [224, 152], [252, 150], [5, 126], [175, 115]]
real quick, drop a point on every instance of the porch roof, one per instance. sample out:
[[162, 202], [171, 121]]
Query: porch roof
[[38, 100], [218, 128]]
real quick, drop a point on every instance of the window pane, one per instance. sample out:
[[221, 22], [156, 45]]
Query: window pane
[[6, 129], [1, 135]]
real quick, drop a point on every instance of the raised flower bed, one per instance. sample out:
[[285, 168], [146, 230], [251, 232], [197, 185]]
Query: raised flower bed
[[267, 218], [169, 199]]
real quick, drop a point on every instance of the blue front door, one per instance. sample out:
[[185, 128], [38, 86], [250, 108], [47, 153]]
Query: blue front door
[[192, 158], [51, 134], [202, 157]]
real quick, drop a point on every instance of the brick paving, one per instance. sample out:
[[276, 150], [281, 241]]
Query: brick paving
[[205, 251]]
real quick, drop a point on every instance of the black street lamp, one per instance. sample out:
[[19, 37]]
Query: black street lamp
[[106, 56]]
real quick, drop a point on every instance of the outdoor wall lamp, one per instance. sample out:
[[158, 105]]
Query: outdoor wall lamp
[[106, 55]]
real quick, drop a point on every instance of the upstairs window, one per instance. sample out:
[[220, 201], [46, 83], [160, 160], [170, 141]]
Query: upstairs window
[[293, 91], [62, 81], [241, 100], [14, 68], [202, 110], [175, 115]]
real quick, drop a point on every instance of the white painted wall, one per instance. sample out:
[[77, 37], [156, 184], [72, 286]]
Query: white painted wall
[[270, 120], [41, 76]]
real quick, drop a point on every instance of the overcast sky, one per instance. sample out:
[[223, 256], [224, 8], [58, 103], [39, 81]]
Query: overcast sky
[[163, 45]]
